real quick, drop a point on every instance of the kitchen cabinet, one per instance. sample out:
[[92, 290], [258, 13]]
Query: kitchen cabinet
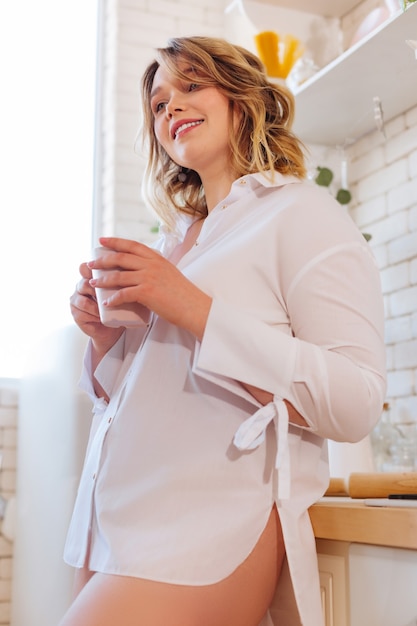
[[367, 562], [333, 562], [347, 519], [336, 106]]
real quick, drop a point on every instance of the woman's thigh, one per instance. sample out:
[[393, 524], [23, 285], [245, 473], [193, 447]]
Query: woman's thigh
[[241, 599]]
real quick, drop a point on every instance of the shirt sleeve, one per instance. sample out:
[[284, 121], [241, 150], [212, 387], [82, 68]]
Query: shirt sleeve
[[331, 367], [106, 372], [112, 368]]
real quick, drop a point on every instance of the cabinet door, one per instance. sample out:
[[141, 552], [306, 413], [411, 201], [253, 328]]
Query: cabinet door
[[333, 560], [383, 585]]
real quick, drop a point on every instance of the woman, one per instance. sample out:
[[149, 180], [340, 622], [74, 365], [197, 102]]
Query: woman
[[209, 439]]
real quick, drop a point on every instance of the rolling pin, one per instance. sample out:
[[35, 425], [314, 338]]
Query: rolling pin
[[373, 485], [337, 487]]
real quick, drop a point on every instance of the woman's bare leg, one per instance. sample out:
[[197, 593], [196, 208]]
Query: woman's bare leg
[[241, 599], [81, 577]]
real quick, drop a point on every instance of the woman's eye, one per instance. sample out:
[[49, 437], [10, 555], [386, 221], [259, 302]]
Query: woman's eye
[[193, 86], [159, 107]]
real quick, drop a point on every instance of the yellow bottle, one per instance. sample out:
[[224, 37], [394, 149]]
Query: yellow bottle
[[267, 45]]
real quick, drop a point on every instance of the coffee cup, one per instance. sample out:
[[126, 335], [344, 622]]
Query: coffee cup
[[127, 314]]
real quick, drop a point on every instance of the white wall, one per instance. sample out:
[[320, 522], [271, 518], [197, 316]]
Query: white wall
[[9, 395], [384, 177]]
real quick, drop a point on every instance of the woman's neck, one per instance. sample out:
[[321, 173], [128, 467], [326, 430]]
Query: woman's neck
[[217, 187]]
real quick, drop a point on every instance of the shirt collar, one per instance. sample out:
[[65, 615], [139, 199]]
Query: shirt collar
[[266, 179], [251, 181]]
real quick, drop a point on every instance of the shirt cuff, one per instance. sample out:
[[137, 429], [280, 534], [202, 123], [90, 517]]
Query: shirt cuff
[[106, 372], [243, 348]]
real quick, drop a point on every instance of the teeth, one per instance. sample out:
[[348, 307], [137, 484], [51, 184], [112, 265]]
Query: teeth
[[187, 125]]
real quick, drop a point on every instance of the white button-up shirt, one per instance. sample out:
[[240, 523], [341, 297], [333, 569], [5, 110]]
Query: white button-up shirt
[[184, 465]]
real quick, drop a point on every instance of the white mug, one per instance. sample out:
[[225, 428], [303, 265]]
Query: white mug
[[128, 314]]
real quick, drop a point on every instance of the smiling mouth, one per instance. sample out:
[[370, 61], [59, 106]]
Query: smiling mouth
[[183, 127]]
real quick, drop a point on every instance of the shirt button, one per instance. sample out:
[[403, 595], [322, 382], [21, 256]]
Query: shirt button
[[224, 206], [109, 420], [94, 476], [242, 182]]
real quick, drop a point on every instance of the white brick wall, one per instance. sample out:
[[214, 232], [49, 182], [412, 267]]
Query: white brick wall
[[384, 182], [8, 432]]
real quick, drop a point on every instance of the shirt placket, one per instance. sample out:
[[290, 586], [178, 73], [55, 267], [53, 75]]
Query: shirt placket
[[91, 470]]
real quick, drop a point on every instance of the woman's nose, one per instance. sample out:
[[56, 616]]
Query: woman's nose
[[172, 106]]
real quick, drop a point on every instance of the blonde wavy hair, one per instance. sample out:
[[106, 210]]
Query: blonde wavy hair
[[262, 142]]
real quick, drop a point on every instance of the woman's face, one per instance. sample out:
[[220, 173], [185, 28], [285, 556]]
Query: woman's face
[[191, 121]]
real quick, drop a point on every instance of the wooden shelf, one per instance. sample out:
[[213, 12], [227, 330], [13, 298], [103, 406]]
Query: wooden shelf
[[336, 104], [353, 521]]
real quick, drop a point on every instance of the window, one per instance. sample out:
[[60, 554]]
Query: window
[[48, 68]]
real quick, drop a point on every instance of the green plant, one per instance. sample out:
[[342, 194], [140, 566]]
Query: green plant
[[324, 178]]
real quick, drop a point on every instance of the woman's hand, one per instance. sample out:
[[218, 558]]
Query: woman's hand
[[142, 275], [84, 310]]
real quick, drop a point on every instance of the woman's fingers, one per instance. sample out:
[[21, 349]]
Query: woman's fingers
[[85, 271], [137, 273], [154, 273], [84, 310], [83, 304], [121, 253], [83, 301], [83, 286], [127, 264], [118, 244]]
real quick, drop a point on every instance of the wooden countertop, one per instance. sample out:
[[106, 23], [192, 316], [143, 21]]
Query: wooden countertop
[[347, 519]]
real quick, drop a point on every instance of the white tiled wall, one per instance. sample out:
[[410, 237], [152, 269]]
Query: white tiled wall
[[8, 431], [383, 173]]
